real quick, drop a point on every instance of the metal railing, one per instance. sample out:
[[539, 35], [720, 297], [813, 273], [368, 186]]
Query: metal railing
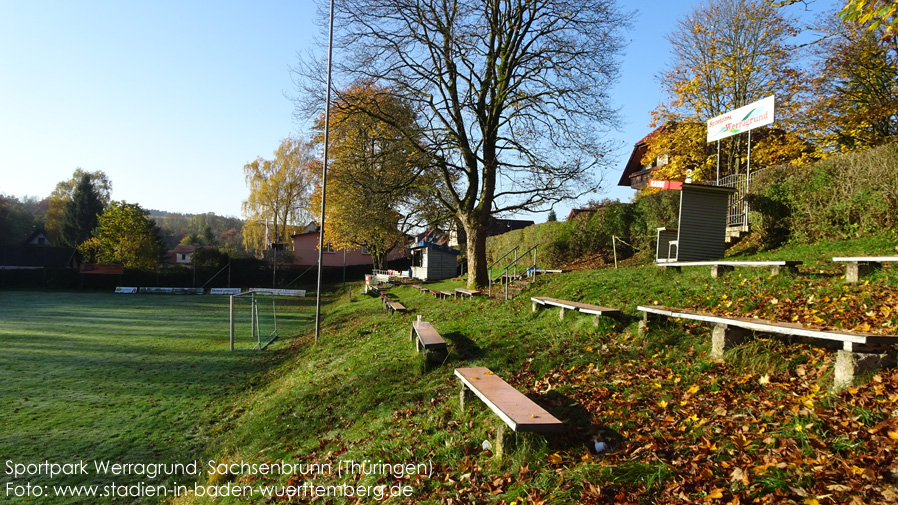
[[489, 268], [531, 270], [738, 208]]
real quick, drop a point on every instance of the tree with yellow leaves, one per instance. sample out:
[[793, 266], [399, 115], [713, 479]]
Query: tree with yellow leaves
[[726, 54], [279, 194], [879, 16], [380, 184], [854, 104]]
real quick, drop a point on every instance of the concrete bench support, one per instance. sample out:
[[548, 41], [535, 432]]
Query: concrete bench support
[[861, 352], [857, 269], [725, 337], [859, 266], [849, 365], [719, 270]]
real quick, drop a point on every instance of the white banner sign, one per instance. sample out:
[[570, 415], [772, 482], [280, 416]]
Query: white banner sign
[[279, 292], [753, 115], [224, 291]]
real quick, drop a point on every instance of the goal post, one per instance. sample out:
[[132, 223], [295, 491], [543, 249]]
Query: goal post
[[252, 319]]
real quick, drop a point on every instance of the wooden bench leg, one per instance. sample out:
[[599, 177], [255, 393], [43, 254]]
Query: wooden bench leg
[[536, 306], [851, 364], [725, 337], [854, 270], [561, 314], [719, 270]]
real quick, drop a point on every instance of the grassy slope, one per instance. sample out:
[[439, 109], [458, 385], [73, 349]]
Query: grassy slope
[[759, 427], [131, 379]]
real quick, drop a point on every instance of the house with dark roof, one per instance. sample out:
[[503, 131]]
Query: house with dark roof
[[636, 175], [36, 252], [580, 212]]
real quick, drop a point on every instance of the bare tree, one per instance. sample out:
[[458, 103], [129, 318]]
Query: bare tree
[[513, 95]]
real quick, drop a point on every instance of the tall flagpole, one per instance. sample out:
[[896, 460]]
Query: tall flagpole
[[327, 124]]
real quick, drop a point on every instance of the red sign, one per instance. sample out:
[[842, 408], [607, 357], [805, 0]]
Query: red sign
[[674, 185]]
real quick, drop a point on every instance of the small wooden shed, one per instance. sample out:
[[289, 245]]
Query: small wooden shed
[[432, 262], [701, 233]]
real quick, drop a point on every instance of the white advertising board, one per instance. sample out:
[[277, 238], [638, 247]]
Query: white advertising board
[[279, 292], [224, 291], [751, 116]]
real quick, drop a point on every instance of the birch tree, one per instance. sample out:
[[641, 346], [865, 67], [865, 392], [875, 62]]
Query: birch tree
[[279, 192]]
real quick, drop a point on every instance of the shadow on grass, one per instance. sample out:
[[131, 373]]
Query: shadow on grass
[[580, 430], [465, 348]]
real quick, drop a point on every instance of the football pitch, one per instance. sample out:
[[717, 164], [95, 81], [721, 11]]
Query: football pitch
[[140, 380]]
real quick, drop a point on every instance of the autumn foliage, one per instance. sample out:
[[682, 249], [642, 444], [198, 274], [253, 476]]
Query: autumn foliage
[[380, 184]]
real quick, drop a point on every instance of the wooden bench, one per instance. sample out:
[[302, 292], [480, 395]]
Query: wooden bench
[[519, 413], [468, 292], [718, 268], [540, 302], [861, 352], [390, 305], [858, 266], [426, 338]]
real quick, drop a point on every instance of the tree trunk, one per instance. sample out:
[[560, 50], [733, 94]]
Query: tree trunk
[[478, 276], [378, 259]]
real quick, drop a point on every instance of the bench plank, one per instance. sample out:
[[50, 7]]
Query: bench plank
[[545, 300], [428, 337], [585, 308], [395, 307], [519, 412], [861, 259], [468, 292], [783, 328], [732, 263]]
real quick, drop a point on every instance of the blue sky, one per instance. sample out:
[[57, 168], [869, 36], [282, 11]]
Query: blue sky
[[171, 98]]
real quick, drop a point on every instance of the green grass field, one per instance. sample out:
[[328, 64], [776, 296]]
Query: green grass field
[[142, 379], [149, 379]]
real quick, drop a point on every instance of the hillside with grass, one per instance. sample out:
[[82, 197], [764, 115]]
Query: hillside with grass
[[760, 426]]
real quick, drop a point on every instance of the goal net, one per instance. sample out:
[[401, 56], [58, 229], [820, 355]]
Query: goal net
[[253, 321]]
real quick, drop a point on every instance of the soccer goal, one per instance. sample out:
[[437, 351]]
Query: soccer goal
[[253, 321]]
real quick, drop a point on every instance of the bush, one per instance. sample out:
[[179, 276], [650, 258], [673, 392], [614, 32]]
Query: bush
[[849, 196]]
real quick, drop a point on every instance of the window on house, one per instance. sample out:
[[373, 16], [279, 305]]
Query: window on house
[[329, 248], [365, 250]]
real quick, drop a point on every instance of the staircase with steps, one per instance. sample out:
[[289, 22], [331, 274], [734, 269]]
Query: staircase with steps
[[506, 287]]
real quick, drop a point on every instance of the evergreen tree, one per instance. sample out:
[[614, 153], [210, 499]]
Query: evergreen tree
[[552, 216], [81, 213]]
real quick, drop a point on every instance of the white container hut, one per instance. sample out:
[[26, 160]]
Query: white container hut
[[432, 262]]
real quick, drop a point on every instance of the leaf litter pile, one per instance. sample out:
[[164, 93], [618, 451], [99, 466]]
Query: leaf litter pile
[[677, 428], [730, 437]]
